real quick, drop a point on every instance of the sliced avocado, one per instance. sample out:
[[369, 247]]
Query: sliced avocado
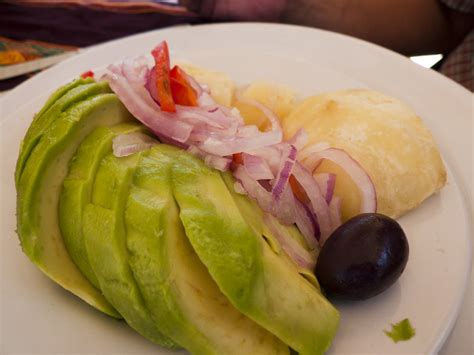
[[55, 96], [254, 216], [77, 190], [65, 97], [260, 283], [40, 185], [176, 285], [105, 239]]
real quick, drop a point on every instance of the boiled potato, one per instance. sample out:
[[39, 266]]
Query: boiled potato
[[277, 98], [220, 84], [384, 135]]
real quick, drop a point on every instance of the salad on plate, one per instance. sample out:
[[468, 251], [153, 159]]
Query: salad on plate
[[217, 219]]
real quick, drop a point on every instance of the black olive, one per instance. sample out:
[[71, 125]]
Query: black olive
[[363, 257]]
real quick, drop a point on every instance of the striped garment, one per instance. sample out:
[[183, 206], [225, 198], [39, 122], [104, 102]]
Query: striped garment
[[459, 64]]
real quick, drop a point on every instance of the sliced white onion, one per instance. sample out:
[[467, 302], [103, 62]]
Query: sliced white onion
[[254, 189], [127, 144], [358, 175]]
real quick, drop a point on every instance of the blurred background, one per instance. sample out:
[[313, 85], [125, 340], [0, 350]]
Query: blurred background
[[35, 34]]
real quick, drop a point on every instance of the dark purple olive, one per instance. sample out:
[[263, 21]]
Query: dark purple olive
[[363, 257]]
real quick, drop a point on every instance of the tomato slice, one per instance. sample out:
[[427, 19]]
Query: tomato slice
[[298, 190], [237, 158], [162, 70], [87, 74], [183, 93]]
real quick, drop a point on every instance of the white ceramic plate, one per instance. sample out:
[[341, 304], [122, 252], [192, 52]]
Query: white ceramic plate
[[40, 317]]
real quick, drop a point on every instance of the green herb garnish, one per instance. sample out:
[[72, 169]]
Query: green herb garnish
[[402, 331]]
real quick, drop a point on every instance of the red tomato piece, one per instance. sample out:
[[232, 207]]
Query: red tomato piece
[[87, 74], [183, 93], [162, 70]]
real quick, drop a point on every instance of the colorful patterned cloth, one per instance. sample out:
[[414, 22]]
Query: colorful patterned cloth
[[459, 64]]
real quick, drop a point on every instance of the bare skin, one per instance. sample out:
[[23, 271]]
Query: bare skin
[[408, 26]]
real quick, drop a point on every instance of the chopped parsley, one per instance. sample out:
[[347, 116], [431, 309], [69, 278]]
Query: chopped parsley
[[402, 331]]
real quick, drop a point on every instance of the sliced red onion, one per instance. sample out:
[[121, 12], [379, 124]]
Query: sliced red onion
[[136, 70], [275, 122], [308, 152], [205, 99], [151, 85], [357, 174], [299, 140], [219, 163], [248, 131], [238, 145], [326, 182], [318, 202], [300, 256], [284, 207], [196, 116], [238, 188], [127, 144], [213, 161], [257, 167], [335, 212], [287, 161], [196, 152], [170, 141], [140, 104], [307, 224], [271, 155], [254, 189]]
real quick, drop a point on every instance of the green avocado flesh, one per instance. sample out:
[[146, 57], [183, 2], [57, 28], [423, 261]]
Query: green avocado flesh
[[58, 103], [176, 286], [77, 190], [259, 282], [105, 239], [159, 238], [254, 216], [40, 185]]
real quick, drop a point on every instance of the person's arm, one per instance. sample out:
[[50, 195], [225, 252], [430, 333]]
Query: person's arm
[[407, 26]]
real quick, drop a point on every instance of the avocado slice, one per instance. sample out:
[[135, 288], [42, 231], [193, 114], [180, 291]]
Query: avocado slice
[[59, 102], [176, 286], [105, 240], [259, 283], [40, 185], [254, 216], [77, 190]]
